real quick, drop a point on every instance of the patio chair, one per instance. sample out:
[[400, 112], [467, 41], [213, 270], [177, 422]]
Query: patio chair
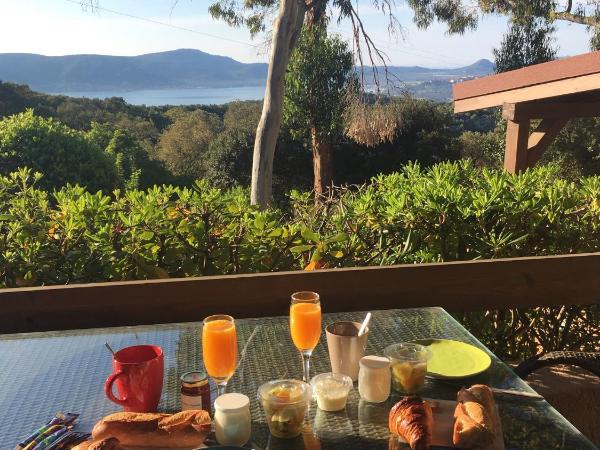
[[575, 393], [585, 360]]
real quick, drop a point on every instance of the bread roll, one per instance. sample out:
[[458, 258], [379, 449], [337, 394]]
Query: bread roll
[[474, 418], [184, 429]]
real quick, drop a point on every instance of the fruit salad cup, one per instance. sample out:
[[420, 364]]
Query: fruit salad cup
[[408, 363], [285, 403]]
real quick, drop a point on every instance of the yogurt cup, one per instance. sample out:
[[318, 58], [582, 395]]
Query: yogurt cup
[[331, 390]]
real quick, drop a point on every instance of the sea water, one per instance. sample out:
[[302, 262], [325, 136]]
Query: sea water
[[192, 96]]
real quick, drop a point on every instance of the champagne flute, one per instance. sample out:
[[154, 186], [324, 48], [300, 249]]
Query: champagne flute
[[219, 349], [305, 326]]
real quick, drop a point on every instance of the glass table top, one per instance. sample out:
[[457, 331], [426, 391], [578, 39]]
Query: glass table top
[[44, 373]]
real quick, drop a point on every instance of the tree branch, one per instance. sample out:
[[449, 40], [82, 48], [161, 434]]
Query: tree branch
[[372, 50], [576, 18]]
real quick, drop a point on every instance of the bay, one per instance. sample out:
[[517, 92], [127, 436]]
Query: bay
[[192, 96]]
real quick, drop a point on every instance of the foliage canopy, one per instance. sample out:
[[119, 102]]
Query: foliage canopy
[[319, 72], [451, 211], [527, 42], [63, 154], [184, 145]]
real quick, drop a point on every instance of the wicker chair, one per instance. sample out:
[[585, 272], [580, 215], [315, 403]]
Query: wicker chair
[[575, 398], [587, 361]]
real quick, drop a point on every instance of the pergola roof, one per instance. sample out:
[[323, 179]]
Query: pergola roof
[[574, 75], [554, 92]]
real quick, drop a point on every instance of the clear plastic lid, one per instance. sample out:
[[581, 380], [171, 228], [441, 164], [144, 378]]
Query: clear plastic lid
[[407, 351], [330, 381], [285, 392]]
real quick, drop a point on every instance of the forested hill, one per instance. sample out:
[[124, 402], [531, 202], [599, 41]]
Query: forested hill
[[479, 68], [184, 68]]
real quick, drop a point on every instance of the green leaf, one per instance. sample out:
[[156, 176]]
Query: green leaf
[[340, 237], [301, 248], [309, 235], [276, 232], [146, 235], [259, 221]]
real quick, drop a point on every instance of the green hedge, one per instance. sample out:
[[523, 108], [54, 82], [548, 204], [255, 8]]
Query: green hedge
[[451, 211]]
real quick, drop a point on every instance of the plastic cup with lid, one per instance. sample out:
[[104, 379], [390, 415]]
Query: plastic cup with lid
[[285, 403], [409, 366], [331, 390]]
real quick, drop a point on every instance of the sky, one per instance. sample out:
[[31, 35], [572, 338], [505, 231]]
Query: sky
[[62, 27]]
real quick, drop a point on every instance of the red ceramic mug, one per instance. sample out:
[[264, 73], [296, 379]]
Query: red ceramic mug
[[138, 374]]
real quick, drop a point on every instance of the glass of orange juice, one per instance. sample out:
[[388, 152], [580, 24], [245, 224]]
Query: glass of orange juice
[[219, 349], [305, 326]]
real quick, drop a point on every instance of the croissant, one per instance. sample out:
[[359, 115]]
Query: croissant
[[474, 425], [412, 419]]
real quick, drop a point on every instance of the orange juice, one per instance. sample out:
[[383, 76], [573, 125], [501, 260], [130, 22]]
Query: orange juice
[[219, 348], [305, 325]]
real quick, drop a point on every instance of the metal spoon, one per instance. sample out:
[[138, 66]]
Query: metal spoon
[[107, 345]]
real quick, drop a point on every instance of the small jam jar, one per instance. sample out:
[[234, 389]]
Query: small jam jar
[[232, 419], [195, 391]]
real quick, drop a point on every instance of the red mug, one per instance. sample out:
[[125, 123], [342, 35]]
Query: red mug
[[138, 373]]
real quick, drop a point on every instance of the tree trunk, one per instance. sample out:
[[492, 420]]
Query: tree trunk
[[322, 163], [286, 31]]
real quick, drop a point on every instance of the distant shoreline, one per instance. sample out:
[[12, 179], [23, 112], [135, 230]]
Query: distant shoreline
[[71, 91], [175, 97]]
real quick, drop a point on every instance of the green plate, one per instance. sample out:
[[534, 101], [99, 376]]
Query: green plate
[[454, 359]]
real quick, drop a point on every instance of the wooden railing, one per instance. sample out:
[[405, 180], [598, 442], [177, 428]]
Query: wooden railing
[[456, 286]]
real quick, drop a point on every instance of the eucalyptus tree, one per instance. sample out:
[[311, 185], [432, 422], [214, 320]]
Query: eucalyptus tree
[[290, 17], [528, 41], [582, 12], [320, 73]]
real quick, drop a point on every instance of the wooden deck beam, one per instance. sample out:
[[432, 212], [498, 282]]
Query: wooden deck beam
[[550, 110], [456, 286]]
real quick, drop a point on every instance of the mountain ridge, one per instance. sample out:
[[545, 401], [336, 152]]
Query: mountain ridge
[[173, 69]]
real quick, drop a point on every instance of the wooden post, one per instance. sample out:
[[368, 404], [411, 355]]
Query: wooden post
[[515, 152], [524, 151]]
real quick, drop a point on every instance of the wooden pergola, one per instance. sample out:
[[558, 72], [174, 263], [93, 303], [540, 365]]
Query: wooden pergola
[[551, 93]]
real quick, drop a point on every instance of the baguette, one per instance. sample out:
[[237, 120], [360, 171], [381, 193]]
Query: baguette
[[103, 444], [184, 429], [474, 423]]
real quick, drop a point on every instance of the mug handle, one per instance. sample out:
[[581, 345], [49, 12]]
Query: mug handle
[[108, 388]]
